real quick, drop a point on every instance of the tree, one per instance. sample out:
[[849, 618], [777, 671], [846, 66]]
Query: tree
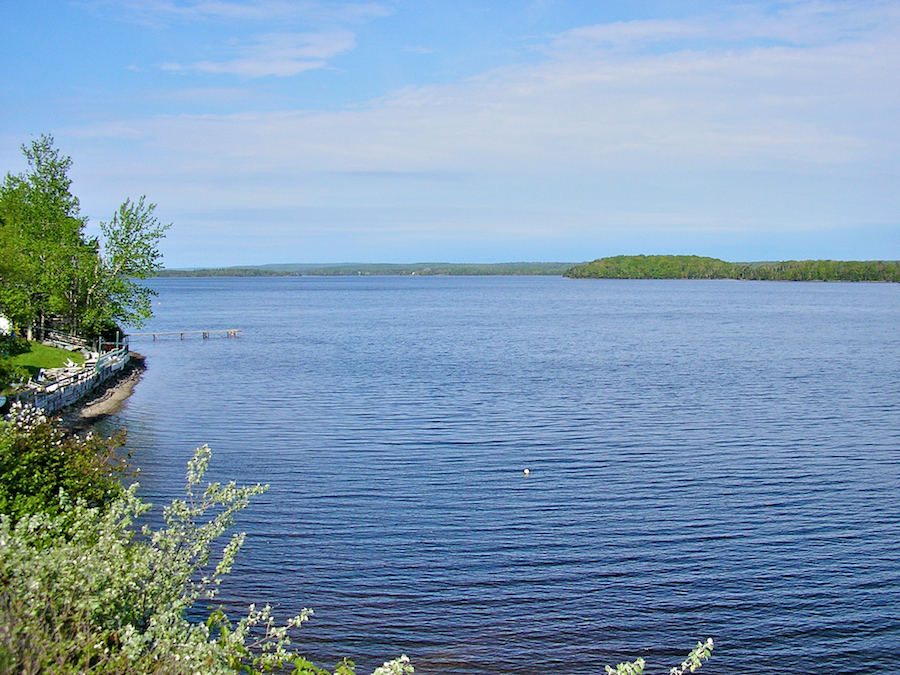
[[49, 267], [18, 274], [41, 231], [130, 251], [41, 237]]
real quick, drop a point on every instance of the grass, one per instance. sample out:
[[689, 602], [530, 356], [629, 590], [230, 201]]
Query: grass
[[40, 356]]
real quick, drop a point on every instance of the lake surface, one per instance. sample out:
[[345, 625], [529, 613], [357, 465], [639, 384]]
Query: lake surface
[[707, 459]]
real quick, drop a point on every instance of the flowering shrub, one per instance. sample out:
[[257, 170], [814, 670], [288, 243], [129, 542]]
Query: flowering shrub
[[80, 592], [694, 660]]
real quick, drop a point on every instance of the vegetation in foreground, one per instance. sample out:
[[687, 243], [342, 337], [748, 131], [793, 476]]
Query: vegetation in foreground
[[82, 590], [697, 267]]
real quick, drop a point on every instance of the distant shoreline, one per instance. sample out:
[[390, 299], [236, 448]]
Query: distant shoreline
[[617, 267], [378, 269]]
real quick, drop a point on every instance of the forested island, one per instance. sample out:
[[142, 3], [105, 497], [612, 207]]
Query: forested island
[[698, 267]]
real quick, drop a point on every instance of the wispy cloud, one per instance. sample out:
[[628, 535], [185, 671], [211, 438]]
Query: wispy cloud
[[247, 10], [747, 119], [829, 102], [798, 23], [279, 54]]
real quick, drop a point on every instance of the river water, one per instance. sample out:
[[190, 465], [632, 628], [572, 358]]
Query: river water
[[706, 459]]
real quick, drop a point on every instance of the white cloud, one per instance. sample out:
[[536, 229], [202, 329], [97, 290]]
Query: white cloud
[[759, 107], [799, 23], [267, 11], [746, 135], [749, 105], [281, 54]]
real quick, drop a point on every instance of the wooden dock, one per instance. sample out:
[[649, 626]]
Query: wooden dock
[[223, 332]]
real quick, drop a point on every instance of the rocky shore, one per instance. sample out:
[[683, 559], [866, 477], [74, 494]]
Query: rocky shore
[[106, 399]]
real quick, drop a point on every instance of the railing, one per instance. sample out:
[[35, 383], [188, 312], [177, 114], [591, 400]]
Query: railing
[[65, 391], [64, 340], [110, 359]]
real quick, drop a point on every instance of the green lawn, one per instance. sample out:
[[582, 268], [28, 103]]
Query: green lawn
[[41, 356]]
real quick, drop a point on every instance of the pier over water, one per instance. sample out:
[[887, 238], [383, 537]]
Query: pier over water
[[222, 332]]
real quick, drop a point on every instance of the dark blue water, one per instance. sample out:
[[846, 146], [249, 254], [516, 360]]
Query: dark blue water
[[707, 459]]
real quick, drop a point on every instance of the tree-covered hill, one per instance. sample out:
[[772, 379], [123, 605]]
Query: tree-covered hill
[[697, 267]]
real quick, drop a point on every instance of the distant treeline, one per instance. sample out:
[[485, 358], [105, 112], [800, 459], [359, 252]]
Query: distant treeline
[[697, 267], [226, 272], [375, 269], [619, 267]]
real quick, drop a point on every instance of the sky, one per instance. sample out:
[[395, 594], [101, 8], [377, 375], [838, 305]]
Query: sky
[[276, 131]]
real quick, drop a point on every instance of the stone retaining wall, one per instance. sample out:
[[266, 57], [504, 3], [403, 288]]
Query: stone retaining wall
[[65, 392]]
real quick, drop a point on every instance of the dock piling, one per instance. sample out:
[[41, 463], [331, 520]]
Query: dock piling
[[205, 334]]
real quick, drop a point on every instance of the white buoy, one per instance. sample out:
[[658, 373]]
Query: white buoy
[[526, 472]]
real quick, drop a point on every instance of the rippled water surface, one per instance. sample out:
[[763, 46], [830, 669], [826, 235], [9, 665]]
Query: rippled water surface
[[706, 459]]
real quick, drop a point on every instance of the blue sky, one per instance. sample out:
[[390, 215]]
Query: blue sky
[[271, 131]]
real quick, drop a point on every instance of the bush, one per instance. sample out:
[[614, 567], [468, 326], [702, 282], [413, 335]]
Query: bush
[[10, 372], [38, 461], [79, 591]]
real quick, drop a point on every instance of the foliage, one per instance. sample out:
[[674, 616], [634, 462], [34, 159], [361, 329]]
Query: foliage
[[11, 373], [653, 267], [694, 660], [130, 252], [377, 269], [696, 267], [38, 462], [82, 591], [225, 272], [41, 233], [48, 267], [12, 345], [11, 370]]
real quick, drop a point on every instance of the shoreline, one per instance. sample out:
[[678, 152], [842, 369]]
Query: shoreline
[[105, 400]]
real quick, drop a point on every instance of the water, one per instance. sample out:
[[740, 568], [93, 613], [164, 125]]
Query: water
[[706, 459]]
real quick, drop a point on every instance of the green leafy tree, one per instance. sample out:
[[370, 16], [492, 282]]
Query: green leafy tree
[[696, 267], [41, 232], [130, 251], [49, 267]]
